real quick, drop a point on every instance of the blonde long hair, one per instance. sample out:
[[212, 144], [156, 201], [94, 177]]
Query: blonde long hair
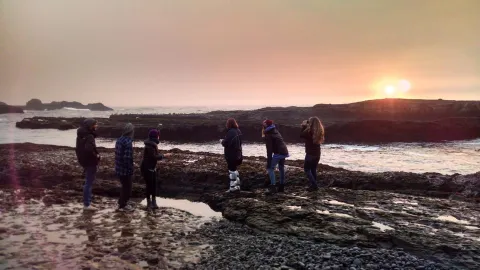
[[315, 127]]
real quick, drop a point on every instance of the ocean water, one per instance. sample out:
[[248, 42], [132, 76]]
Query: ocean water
[[448, 158]]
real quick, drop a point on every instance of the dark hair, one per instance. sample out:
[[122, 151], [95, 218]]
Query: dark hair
[[231, 123]]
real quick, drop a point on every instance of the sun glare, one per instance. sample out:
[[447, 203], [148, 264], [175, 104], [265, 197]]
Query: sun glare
[[390, 90], [390, 87]]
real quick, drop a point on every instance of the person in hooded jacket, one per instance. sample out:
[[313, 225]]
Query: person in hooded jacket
[[233, 153], [88, 157], [277, 152], [149, 167], [314, 134], [124, 166]]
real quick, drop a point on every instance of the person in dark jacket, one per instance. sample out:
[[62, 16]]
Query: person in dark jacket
[[233, 153], [313, 133], [149, 167], [88, 157], [124, 166], [276, 153]]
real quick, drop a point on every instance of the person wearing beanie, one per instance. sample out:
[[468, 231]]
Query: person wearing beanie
[[124, 166], [149, 167], [277, 152], [233, 153], [88, 157]]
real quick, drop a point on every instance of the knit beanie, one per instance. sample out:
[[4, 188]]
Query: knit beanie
[[128, 130], [267, 123], [153, 133]]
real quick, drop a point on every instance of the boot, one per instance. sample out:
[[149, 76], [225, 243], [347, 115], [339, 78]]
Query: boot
[[233, 187], [154, 203], [272, 189], [149, 203], [237, 179], [281, 187], [233, 181]]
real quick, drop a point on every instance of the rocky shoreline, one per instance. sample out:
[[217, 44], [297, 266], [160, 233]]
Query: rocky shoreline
[[427, 220], [377, 121]]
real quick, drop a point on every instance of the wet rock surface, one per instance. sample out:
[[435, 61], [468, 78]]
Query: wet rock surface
[[432, 217], [61, 236], [378, 121], [241, 247]]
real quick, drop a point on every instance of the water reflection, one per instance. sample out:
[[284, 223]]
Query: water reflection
[[194, 208]]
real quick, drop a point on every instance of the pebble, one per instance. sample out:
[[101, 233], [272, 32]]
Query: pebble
[[266, 251]]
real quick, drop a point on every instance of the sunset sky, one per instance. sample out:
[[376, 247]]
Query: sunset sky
[[248, 52]]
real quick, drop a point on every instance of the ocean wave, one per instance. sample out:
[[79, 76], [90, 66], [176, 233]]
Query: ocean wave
[[74, 109]]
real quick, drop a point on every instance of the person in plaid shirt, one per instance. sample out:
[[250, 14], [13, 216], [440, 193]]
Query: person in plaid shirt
[[124, 166]]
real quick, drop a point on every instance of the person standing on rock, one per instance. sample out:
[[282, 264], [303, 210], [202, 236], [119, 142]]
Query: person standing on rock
[[149, 167], [314, 134], [88, 157], [124, 166], [277, 152], [232, 145]]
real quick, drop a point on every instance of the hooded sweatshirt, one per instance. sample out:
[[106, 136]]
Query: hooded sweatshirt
[[151, 155], [86, 148], [124, 152]]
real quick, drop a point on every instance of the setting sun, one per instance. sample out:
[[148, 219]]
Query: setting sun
[[392, 87], [390, 90]]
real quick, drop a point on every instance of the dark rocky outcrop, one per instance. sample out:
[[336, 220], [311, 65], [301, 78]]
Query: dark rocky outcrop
[[429, 215], [379, 121], [36, 104], [5, 108]]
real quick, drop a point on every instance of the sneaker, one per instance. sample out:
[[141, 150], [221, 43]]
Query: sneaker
[[281, 188], [272, 189], [127, 208], [89, 208]]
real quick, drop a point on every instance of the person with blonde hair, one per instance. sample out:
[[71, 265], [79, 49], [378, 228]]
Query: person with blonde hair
[[314, 135]]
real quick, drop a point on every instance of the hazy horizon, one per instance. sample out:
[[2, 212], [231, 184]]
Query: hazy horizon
[[247, 53]]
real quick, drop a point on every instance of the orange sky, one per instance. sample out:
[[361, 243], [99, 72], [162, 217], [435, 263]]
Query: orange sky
[[269, 52]]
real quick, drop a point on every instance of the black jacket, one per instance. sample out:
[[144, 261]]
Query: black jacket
[[233, 144], [311, 148], [150, 156], [85, 148], [275, 145]]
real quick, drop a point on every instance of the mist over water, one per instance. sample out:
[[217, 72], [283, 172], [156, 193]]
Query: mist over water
[[447, 158]]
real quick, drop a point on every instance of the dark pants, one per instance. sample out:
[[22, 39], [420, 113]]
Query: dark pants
[[125, 191], [150, 178], [310, 168], [90, 173], [233, 164]]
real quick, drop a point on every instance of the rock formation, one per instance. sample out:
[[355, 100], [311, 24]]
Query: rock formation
[[36, 104], [4, 108]]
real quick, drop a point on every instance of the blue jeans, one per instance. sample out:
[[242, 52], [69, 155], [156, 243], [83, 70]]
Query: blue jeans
[[310, 168], [90, 173], [281, 168]]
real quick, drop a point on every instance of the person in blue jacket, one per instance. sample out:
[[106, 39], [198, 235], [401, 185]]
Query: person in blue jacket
[[277, 152]]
